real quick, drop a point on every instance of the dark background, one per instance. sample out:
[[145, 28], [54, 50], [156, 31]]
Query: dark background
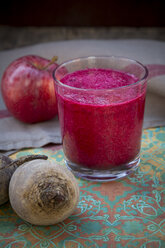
[[135, 13]]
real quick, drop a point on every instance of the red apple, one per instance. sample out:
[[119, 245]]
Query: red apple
[[28, 89]]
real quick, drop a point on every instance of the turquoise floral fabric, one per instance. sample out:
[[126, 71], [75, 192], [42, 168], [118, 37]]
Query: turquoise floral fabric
[[126, 213]]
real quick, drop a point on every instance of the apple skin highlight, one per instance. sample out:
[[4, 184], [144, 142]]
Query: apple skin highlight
[[28, 89]]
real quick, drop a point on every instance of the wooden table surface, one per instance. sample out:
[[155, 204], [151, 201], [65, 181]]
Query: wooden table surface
[[13, 37]]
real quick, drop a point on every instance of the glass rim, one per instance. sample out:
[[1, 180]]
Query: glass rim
[[144, 78]]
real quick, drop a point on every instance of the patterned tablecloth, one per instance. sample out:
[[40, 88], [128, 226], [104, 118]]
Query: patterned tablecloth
[[129, 212]]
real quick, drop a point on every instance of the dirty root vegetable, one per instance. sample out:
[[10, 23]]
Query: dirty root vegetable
[[7, 168], [43, 192]]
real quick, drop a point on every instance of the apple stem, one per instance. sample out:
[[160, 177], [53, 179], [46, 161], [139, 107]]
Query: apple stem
[[54, 59]]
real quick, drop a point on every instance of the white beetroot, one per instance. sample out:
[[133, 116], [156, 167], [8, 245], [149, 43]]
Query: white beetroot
[[43, 192], [7, 168]]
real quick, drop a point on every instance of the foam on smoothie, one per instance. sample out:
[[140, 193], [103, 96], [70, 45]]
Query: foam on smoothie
[[98, 79]]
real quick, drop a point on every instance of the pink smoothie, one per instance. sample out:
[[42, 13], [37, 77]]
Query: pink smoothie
[[101, 132]]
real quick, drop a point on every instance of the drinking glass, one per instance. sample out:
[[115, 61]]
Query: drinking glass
[[101, 128]]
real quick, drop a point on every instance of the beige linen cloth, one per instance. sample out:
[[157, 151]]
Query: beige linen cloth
[[17, 135]]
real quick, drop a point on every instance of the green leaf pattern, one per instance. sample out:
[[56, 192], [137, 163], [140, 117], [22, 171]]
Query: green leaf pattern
[[134, 218]]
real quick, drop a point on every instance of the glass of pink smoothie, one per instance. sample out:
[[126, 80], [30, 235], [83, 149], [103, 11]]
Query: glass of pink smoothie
[[101, 107]]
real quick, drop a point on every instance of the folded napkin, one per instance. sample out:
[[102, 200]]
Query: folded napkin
[[17, 135]]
